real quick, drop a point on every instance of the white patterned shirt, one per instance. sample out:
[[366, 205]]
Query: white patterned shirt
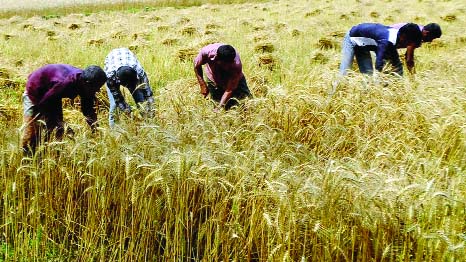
[[124, 57]]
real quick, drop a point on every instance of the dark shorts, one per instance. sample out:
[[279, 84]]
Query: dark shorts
[[241, 92]]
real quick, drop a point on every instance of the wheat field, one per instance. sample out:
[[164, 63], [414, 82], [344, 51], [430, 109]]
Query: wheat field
[[374, 170]]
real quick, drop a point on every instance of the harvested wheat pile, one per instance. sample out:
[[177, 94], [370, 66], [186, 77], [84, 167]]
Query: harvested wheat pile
[[280, 26], [338, 34], [267, 61], [258, 27], [73, 26], [319, 58], [163, 28], [344, 17], [145, 35], [183, 20], [95, 42], [264, 47], [210, 32], [8, 79], [9, 113], [170, 41], [137, 44], [189, 30], [8, 36], [461, 39], [261, 37], [50, 33], [29, 26], [186, 54], [389, 19], [4, 73], [313, 13], [212, 26], [296, 32], [153, 18], [327, 43], [120, 34], [449, 18], [374, 14]]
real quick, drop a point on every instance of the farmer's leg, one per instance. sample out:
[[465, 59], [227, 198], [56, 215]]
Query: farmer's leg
[[31, 131], [215, 92], [148, 96], [111, 112], [395, 61], [53, 115], [364, 59], [138, 96], [241, 92], [347, 55]]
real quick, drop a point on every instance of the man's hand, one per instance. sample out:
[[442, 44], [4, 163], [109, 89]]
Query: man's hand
[[410, 66], [69, 132], [409, 57], [125, 108], [204, 89]]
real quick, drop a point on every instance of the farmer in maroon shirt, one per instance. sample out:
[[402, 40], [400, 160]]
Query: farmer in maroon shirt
[[42, 99], [225, 78]]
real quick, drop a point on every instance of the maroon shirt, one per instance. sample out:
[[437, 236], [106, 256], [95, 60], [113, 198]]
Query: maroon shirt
[[49, 84], [215, 73]]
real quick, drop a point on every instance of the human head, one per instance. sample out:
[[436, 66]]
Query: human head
[[93, 77], [409, 34], [430, 32], [226, 53], [127, 76]]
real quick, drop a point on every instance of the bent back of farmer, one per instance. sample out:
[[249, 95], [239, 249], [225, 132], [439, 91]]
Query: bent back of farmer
[[42, 99], [123, 69], [225, 78], [383, 40]]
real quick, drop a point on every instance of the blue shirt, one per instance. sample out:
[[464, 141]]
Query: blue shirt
[[379, 38]]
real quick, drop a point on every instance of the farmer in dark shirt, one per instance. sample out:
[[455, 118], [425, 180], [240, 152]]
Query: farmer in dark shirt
[[429, 32], [381, 39], [42, 99]]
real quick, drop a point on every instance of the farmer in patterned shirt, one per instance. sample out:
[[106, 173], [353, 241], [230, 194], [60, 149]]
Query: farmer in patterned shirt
[[42, 99], [429, 33], [381, 39], [123, 68], [225, 78]]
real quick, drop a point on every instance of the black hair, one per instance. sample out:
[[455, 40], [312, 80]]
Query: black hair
[[412, 33], [127, 75], [434, 30], [94, 75], [226, 53]]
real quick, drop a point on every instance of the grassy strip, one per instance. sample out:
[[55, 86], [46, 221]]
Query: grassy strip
[[56, 11]]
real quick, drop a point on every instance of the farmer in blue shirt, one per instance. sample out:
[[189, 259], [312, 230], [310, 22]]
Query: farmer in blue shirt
[[381, 39]]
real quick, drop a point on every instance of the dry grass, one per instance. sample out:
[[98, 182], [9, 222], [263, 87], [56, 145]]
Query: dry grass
[[370, 171]]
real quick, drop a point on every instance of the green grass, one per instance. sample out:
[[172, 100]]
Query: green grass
[[374, 171], [57, 8]]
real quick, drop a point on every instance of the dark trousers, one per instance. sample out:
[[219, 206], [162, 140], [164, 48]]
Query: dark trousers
[[34, 120], [241, 92]]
